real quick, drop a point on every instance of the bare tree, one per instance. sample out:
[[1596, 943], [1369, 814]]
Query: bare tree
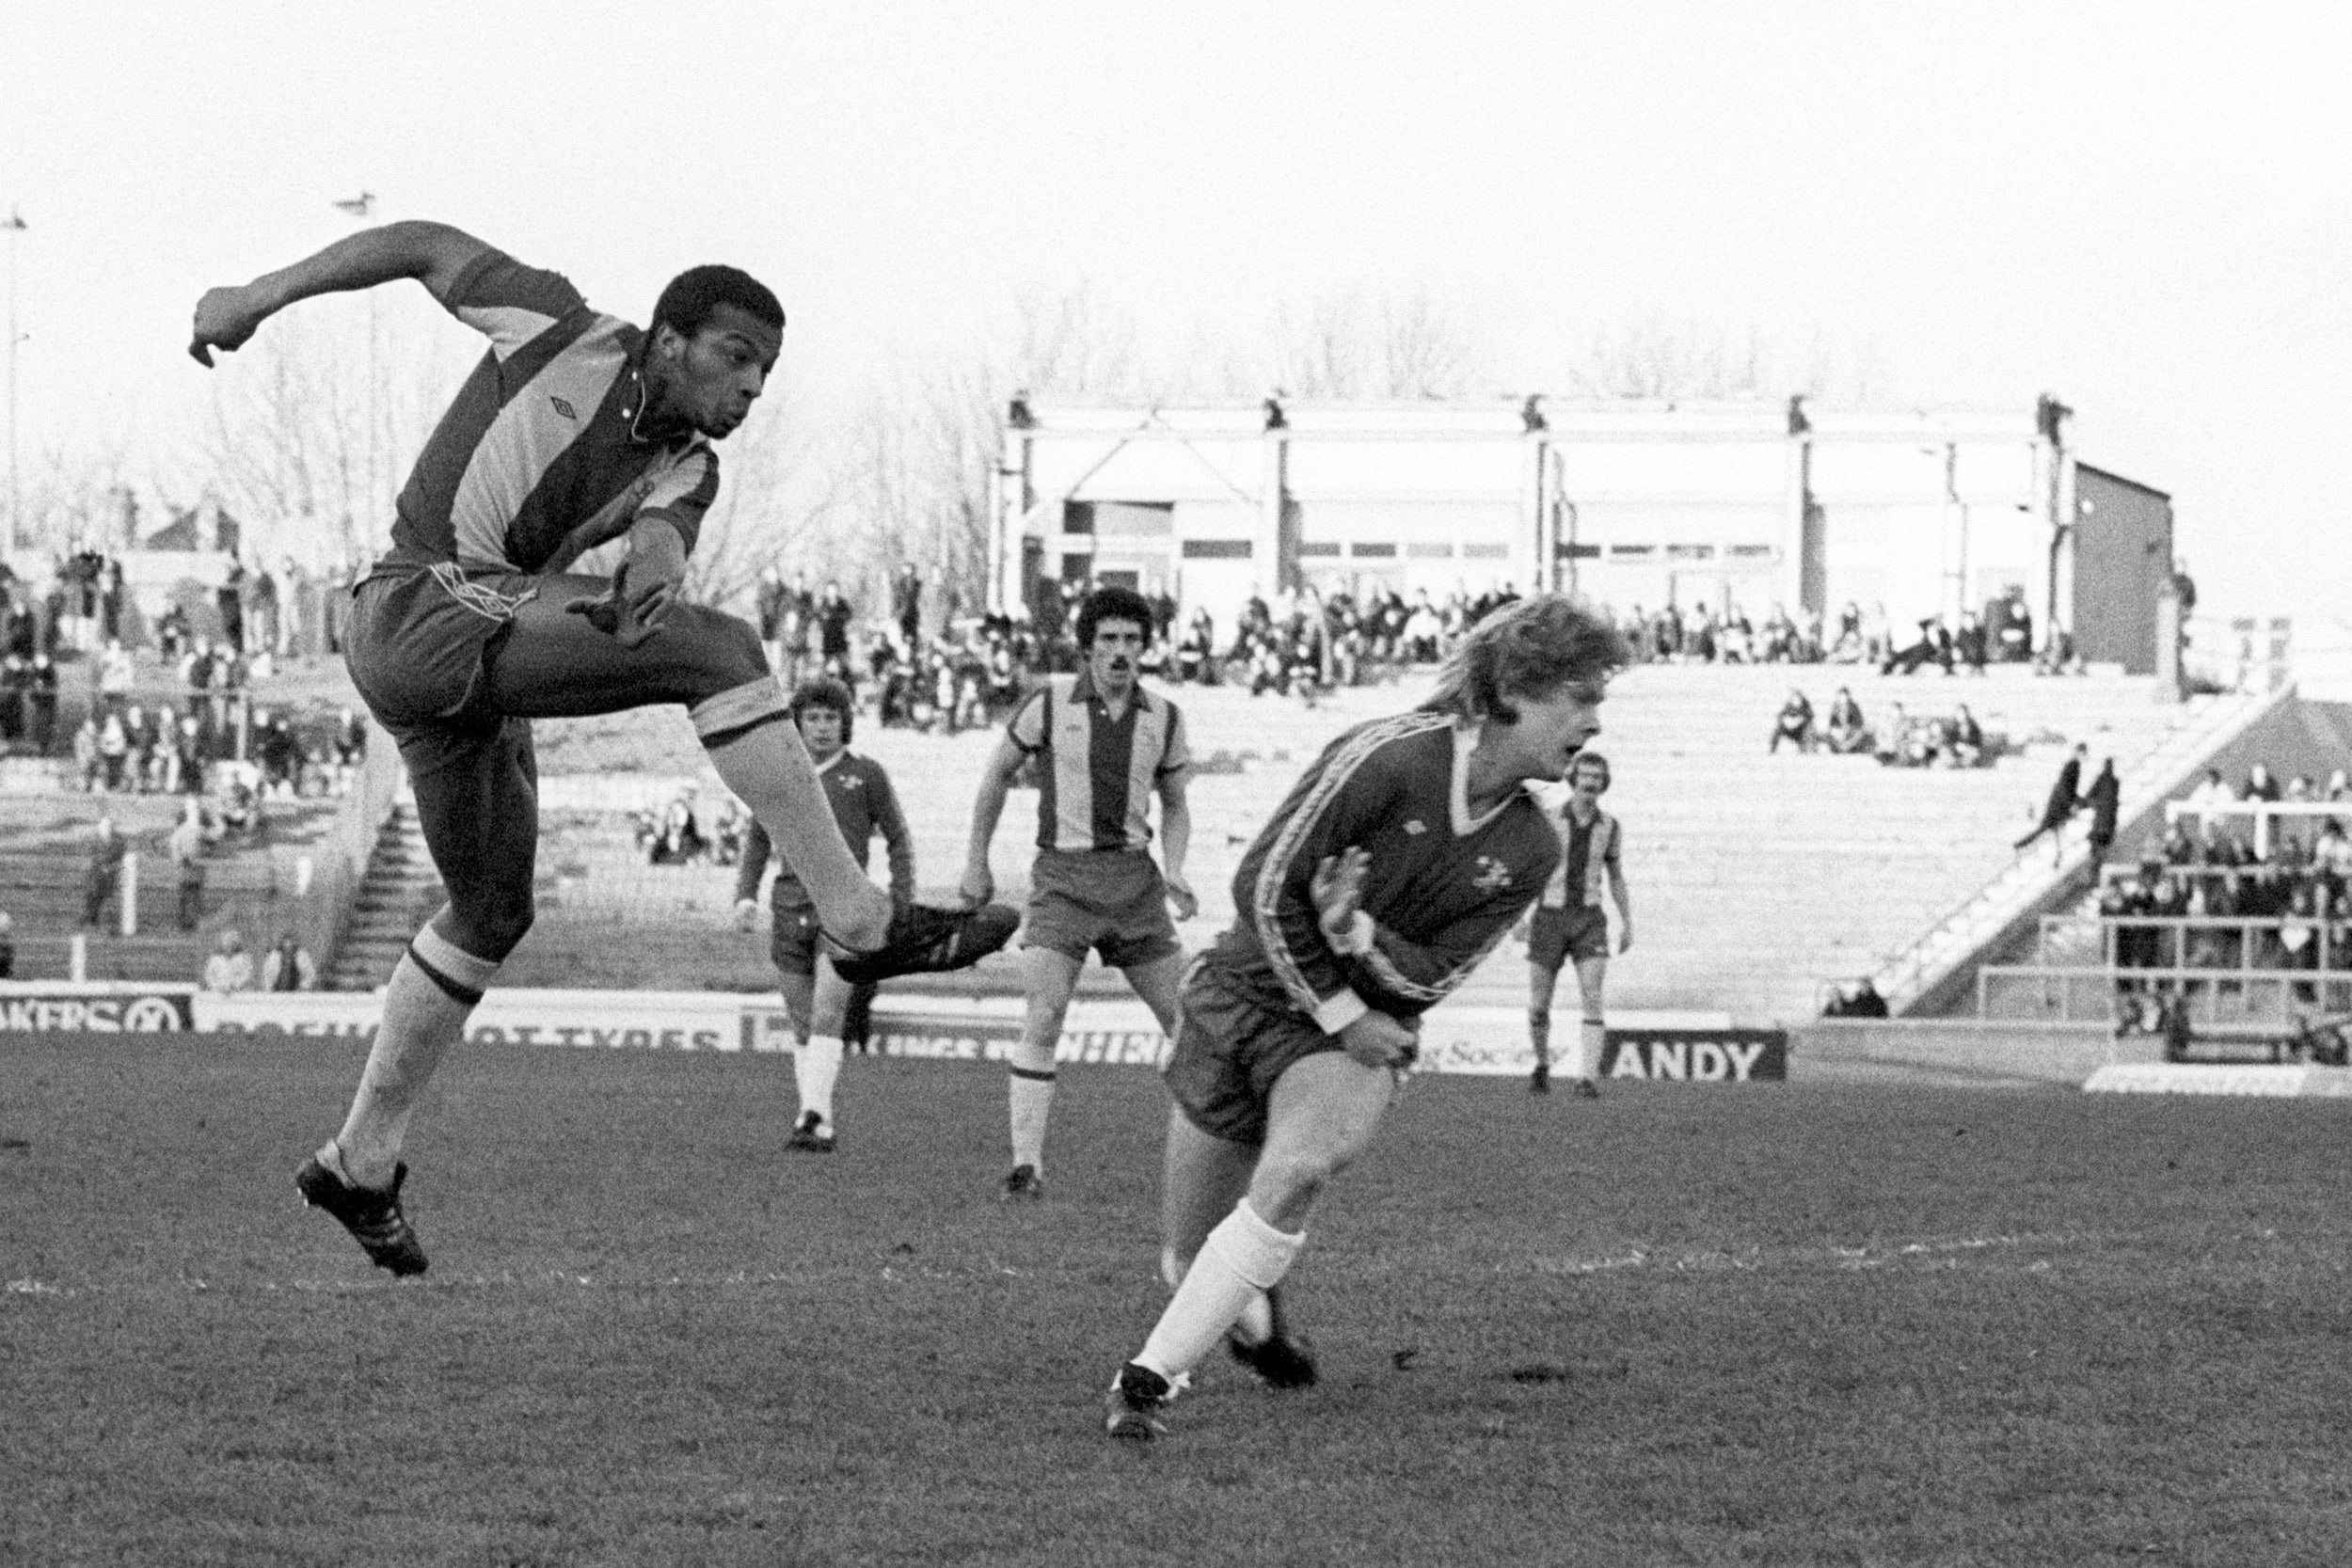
[[80, 495], [314, 425]]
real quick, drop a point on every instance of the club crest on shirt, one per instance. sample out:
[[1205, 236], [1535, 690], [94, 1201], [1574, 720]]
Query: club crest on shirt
[[1415, 826], [1492, 875]]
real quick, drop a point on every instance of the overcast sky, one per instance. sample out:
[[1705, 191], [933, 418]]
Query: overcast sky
[[2143, 209]]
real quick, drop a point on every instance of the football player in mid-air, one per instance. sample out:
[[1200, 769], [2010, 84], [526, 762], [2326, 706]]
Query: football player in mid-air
[[1409, 849], [576, 430]]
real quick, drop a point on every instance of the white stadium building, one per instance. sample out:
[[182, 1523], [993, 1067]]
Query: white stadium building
[[1923, 512]]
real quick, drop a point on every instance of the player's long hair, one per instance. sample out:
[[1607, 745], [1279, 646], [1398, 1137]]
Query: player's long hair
[[825, 691], [1529, 648]]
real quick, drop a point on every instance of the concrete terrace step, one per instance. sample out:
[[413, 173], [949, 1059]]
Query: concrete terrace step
[[1756, 877]]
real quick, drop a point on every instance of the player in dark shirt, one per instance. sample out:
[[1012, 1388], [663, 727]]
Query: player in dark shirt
[[814, 996], [1407, 850], [576, 431]]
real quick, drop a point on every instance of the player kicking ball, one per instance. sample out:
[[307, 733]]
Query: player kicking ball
[[1405, 853], [1570, 927], [816, 997], [576, 430], [1104, 745]]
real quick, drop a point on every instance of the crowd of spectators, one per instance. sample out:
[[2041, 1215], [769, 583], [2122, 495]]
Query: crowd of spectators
[[678, 835], [2001, 634], [2298, 886], [1905, 740]]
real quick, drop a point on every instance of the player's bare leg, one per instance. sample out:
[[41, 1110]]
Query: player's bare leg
[[477, 802], [1048, 978], [1541, 983], [1161, 983], [1320, 1118], [553, 664], [1593, 1028]]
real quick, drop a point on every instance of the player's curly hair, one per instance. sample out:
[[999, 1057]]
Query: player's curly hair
[[1112, 602], [1529, 648], [688, 299], [825, 691]]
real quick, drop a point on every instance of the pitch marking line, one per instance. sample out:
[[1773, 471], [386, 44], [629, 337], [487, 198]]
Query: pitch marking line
[[1946, 1252]]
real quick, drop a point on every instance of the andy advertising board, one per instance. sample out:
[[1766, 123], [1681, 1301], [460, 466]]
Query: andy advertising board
[[95, 1008], [1686, 1047], [1697, 1055]]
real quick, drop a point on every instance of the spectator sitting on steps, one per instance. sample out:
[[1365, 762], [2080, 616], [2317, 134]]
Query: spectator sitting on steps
[[1794, 725], [1847, 731]]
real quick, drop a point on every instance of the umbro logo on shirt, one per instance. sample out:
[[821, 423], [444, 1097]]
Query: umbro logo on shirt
[[1415, 826], [565, 409], [1492, 873]]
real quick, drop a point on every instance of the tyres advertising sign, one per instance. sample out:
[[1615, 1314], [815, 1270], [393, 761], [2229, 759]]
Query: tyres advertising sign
[[96, 1008]]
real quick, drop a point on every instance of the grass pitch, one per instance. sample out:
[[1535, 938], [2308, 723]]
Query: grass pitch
[[1786, 1324]]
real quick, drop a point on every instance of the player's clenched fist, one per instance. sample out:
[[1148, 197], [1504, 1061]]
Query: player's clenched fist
[[1378, 1040], [1336, 887], [226, 319]]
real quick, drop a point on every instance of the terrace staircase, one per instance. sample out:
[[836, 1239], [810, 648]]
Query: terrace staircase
[[400, 891]]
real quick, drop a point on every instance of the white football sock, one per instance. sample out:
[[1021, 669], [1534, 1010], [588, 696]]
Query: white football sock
[[1029, 1099], [748, 734], [424, 1016], [1590, 1037], [814, 1066], [1242, 1259], [1255, 1325]]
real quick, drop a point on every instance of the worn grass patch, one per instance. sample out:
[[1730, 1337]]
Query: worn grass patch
[[1784, 1324]]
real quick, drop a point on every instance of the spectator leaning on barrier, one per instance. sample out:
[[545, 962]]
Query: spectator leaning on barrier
[[105, 872], [2102, 798], [231, 967], [187, 847], [2064, 797], [288, 966]]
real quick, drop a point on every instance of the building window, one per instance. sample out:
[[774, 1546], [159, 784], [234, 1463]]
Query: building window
[[1078, 517], [1372, 552], [1753, 552], [1486, 552], [1631, 552], [1690, 553], [1318, 546], [1436, 551], [1216, 549]]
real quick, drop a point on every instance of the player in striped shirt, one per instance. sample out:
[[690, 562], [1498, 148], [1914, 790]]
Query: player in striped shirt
[[1104, 747], [1569, 926], [1405, 853], [576, 431]]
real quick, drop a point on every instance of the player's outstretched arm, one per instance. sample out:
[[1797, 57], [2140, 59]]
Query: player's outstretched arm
[[890, 818], [1176, 842], [433, 253], [988, 809], [1623, 896]]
